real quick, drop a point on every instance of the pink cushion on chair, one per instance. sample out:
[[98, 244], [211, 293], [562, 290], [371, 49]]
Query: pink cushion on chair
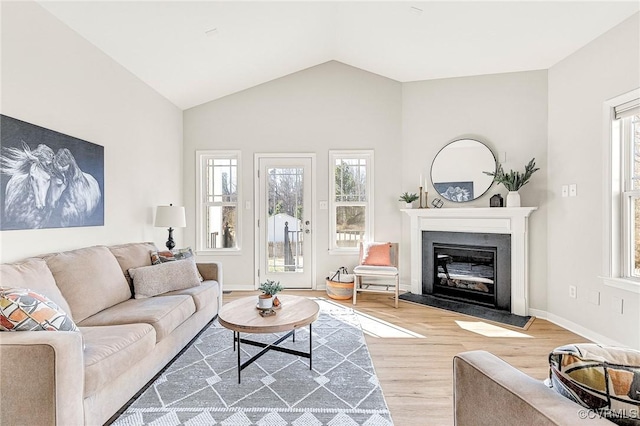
[[376, 254]]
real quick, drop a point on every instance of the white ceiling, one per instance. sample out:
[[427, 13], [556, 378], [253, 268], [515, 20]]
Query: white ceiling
[[165, 43]]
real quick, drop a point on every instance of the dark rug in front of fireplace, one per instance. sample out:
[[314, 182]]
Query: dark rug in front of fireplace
[[469, 309]]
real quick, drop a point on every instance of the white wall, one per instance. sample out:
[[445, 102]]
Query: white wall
[[53, 78], [330, 106], [578, 87], [508, 112]]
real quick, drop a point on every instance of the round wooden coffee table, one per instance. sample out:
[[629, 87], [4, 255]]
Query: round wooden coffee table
[[242, 316]]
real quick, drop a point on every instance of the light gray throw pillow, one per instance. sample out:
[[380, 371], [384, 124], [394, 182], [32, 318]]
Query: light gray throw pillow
[[152, 280]]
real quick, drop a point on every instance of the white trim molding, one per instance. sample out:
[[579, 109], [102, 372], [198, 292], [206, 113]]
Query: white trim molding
[[505, 220]]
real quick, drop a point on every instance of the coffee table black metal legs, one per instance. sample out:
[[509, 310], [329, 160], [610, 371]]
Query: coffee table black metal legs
[[271, 347]]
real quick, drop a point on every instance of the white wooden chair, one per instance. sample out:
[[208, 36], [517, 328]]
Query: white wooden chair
[[387, 278]]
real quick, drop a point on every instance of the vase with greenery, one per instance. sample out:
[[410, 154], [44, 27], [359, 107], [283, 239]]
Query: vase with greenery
[[514, 180], [270, 288], [408, 199]]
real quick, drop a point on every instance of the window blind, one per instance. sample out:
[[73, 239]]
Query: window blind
[[627, 109]]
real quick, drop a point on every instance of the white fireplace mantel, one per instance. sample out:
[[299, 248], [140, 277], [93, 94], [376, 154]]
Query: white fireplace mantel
[[496, 220]]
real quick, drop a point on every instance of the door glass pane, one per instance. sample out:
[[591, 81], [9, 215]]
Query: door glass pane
[[635, 225], [350, 225], [635, 146], [220, 225], [285, 189]]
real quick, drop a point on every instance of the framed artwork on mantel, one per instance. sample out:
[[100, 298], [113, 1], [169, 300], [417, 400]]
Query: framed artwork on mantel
[[48, 179]]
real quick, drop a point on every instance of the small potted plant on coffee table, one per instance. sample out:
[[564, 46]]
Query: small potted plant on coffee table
[[269, 289]]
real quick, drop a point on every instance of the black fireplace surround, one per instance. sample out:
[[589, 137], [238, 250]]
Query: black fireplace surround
[[470, 267]]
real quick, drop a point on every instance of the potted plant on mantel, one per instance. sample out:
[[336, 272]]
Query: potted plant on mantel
[[513, 181], [269, 290], [408, 199]]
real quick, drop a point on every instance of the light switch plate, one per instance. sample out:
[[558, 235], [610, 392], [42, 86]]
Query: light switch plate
[[573, 190], [324, 205], [565, 191], [594, 297], [617, 305]]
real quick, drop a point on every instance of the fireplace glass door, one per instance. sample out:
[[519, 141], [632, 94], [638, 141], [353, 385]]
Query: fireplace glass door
[[465, 273]]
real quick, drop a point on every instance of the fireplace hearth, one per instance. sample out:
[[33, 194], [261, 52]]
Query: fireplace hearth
[[469, 267]]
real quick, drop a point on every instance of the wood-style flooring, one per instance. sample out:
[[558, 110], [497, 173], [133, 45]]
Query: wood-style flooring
[[415, 368]]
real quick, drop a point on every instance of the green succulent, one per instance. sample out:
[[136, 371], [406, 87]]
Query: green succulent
[[513, 181], [408, 198], [270, 287]]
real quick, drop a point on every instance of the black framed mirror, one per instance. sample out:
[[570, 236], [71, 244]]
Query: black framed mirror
[[457, 170]]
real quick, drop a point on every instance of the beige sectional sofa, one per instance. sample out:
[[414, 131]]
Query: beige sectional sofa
[[489, 391], [82, 378]]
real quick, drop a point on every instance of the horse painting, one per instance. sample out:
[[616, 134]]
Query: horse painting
[[82, 193], [46, 189], [27, 190]]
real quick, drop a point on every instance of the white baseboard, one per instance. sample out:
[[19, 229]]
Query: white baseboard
[[574, 328]]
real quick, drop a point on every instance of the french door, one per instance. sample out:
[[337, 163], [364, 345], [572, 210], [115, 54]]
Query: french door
[[285, 219]]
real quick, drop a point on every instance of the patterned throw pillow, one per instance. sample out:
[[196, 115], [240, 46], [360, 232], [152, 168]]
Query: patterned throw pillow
[[162, 256], [604, 379], [24, 310], [376, 254]]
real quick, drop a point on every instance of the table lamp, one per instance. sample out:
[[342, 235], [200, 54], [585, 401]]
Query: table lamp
[[171, 216]]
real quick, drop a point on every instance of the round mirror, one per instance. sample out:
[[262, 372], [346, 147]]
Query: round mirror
[[456, 172]]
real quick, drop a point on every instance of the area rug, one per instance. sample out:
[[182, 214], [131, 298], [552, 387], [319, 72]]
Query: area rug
[[201, 387], [469, 309]]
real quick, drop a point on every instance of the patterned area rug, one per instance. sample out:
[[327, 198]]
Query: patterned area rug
[[201, 386]]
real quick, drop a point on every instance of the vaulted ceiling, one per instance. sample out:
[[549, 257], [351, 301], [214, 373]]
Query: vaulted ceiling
[[197, 51]]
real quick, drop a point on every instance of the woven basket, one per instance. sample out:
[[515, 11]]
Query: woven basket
[[339, 291]]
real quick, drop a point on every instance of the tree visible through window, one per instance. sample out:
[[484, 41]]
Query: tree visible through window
[[351, 198]]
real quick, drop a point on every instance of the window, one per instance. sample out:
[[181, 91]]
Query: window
[[623, 259], [351, 199], [218, 212]]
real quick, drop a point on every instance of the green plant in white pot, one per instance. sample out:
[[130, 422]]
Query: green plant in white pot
[[270, 288], [408, 199], [513, 181]]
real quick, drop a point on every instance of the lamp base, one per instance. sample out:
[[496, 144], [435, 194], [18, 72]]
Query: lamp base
[[170, 243]]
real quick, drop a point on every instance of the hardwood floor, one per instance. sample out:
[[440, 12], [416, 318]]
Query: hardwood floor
[[416, 372]]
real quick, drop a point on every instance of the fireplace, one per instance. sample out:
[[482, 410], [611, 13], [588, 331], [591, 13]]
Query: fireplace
[[469, 267], [506, 221]]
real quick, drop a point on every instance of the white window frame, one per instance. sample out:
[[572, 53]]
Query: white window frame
[[617, 249], [334, 155], [201, 203]]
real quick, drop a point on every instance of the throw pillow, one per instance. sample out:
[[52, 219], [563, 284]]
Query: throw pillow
[[158, 257], [376, 254], [152, 280], [25, 310], [604, 379]]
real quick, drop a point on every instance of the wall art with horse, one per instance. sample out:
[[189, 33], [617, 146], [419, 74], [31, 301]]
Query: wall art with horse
[[48, 179]]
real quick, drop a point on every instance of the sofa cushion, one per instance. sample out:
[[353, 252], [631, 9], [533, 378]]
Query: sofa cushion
[[132, 255], [152, 280], [164, 313], [204, 294], [25, 310], [112, 350], [603, 378], [90, 279], [159, 257], [35, 275]]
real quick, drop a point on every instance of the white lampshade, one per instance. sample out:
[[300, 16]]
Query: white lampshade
[[170, 216]]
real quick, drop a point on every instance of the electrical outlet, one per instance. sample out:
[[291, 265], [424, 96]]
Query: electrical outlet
[[573, 190], [565, 191], [247, 205], [573, 292], [323, 205]]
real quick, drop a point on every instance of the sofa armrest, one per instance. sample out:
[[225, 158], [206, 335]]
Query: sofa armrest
[[212, 271], [42, 378], [489, 391]]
